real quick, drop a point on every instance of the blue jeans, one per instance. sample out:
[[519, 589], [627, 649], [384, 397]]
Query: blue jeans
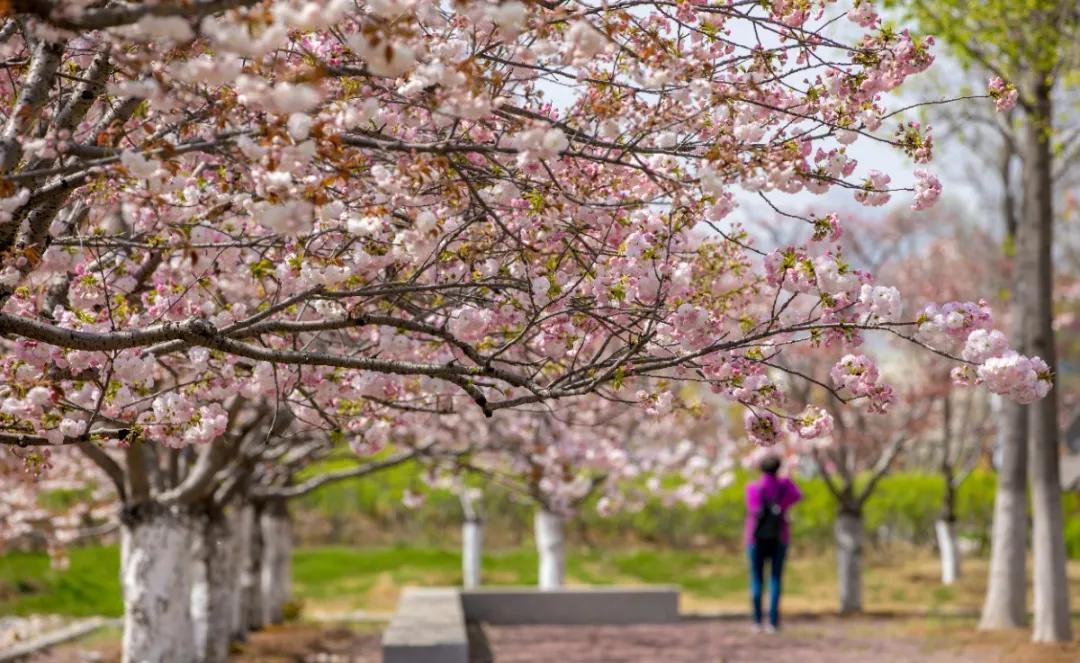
[[775, 555]]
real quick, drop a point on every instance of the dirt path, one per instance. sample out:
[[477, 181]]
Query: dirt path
[[808, 640], [700, 642]]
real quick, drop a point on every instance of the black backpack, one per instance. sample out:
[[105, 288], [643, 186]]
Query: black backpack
[[770, 521]]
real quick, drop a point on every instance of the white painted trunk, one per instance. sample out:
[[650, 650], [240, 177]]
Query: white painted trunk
[[251, 574], [551, 547], [277, 560], [1052, 622], [472, 548], [1035, 276], [240, 518], [1005, 605], [214, 571], [200, 591], [849, 545], [948, 551], [156, 581]]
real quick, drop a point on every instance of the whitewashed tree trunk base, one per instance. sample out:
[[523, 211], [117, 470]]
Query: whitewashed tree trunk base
[[948, 551], [849, 546], [200, 589], [215, 569], [251, 574], [277, 560], [156, 580], [1005, 605], [551, 546], [240, 527], [472, 548], [1052, 621]]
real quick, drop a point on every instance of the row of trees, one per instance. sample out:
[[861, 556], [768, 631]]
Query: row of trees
[[1034, 45], [238, 236]]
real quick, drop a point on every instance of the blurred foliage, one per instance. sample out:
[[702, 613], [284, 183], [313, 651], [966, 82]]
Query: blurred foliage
[[1008, 37], [902, 509], [369, 545]]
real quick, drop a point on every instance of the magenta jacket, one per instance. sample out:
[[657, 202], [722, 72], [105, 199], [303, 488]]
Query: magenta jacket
[[784, 491]]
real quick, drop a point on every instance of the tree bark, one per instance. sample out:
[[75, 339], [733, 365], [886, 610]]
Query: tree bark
[[1052, 620], [472, 538], [945, 527], [948, 551], [1005, 605], [251, 574], [214, 572], [551, 547], [199, 597], [277, 560], [156, 581], [472, 547], [240, 527], [849, 546]]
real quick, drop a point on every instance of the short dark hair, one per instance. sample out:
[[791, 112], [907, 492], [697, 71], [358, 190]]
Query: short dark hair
[[770, 464]]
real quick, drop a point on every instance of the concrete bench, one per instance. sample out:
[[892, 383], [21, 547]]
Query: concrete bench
[[428, 627], [431, 624], [572, 605]]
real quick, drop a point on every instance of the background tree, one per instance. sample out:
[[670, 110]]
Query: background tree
[[1034, 46], [597, 450]]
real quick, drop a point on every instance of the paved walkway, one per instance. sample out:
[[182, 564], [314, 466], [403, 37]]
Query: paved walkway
[[701, 642], [824, 640]]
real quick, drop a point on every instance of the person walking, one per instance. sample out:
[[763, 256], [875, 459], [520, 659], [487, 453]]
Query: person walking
[[768, 534]]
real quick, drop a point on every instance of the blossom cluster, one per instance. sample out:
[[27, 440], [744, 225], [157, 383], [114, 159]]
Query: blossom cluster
[[374, 210], [1004, 94], [965, 326]]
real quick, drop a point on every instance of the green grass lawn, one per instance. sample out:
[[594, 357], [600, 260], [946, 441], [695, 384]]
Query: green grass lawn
[[340, 579], [89, 586]]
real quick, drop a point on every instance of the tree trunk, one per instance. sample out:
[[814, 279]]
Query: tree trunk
[[240, 518], [551, 546], [849, 546], [251, 574], [947, 549], [277, 560], [945, 527], [1035, 258], [214, 571], [472, 548], [200, 587], [156, 581], [1005, 605]]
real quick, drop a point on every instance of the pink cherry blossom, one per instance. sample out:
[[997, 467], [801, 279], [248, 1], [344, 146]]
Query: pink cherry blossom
[[1004, 94], [1023, 379], [763, 427], [927, 190]]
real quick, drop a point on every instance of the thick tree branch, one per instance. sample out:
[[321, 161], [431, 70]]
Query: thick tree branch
[[301, 489]]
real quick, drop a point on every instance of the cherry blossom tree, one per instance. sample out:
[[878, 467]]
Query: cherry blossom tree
[[852, 450], [965, 426], [217, 518], [51, 498], [941, 263], [382, 197], [355, 213], [287, 472], [594, 447]]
